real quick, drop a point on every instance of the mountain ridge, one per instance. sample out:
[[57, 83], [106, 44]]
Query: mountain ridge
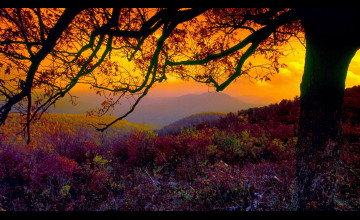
[[161, 111], [189, 122], [169, 110]]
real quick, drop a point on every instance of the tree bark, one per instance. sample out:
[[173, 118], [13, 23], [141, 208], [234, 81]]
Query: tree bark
[[329, 51]]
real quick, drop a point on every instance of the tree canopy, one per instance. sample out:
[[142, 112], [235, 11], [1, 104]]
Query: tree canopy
[[124, 52]]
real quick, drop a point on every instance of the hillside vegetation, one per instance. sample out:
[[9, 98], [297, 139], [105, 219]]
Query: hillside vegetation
[[190, 121], [63, 130], [243, 161]]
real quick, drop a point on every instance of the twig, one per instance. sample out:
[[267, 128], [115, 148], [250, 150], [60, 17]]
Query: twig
[[151, 178], [350, 169]]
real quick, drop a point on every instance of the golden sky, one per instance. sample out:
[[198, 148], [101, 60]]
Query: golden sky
[[284, 85]]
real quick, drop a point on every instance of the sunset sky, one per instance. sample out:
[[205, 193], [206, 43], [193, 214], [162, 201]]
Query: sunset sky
[[284, 85]]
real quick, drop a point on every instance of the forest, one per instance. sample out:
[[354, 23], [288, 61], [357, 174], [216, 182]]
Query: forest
[[299, 154], [243, 161]]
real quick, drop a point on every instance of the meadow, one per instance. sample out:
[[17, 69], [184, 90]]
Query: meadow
[[244, 161]]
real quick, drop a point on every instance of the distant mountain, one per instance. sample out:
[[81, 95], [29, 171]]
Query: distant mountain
[[160, 111], [190, 121], [83, 104], [169, 110]]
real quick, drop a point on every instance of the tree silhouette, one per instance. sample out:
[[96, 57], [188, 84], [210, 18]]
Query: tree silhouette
[[121, 52]]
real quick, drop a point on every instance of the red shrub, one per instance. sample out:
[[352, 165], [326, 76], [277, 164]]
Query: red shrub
[[54, 170], [140, 147], [14, 164], [165, 147], [282, 132], [98, 180]]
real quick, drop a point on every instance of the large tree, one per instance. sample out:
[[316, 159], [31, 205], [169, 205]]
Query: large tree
[[332, 39], [44, 53]]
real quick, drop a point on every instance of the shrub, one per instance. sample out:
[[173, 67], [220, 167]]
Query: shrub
[[140, 148], [220, 187]]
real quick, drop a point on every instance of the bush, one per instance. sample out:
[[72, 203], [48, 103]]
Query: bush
[[244, 161], [140, 148]]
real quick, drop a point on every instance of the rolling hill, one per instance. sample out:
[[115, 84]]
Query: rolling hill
[[161, 111], [55, 129], [169, 110], [190, 121]]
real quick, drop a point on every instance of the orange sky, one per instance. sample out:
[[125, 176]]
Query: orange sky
[[284, 85]]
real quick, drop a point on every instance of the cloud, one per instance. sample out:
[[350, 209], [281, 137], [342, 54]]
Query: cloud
[[353, 74], [263, 83], [352, 79], [285, 72], [297, 66]]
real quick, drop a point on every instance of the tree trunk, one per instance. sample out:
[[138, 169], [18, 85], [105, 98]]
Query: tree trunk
[[328, 55]]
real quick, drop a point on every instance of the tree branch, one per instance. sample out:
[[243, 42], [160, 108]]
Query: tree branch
[[48, 45]]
